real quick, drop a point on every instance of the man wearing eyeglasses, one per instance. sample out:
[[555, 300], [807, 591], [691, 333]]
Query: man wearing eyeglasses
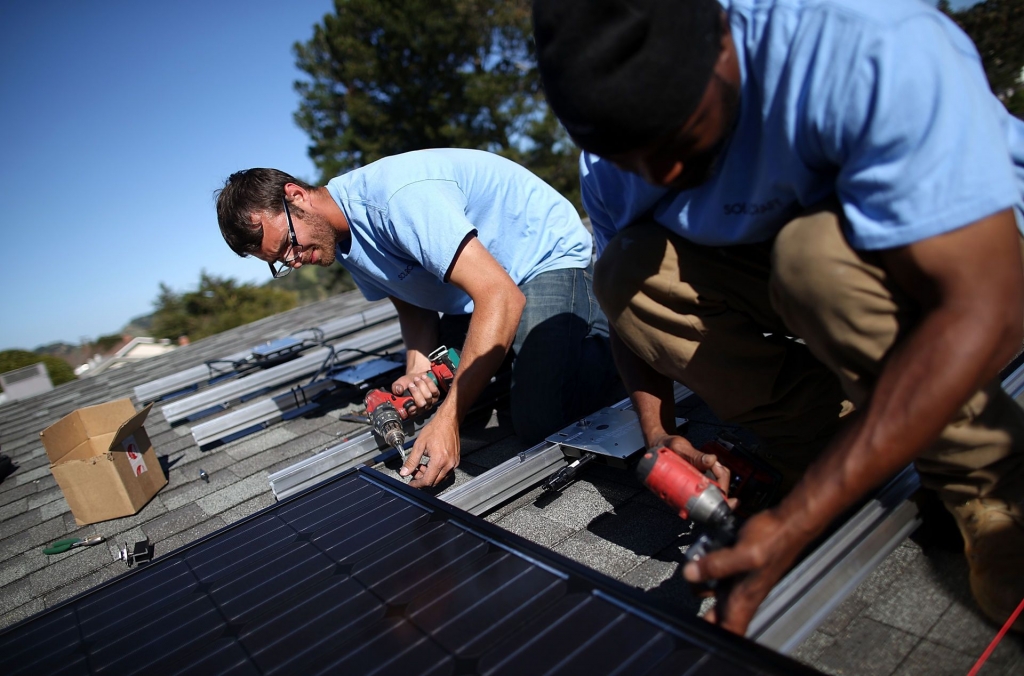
[[463, 243]]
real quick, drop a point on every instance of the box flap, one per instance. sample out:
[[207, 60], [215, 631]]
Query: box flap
[[129, 426], [107, 417], [63, 436]]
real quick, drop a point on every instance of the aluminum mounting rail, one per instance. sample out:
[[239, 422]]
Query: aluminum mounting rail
[[193, 377], [492, 487], [521, 473], [262, 414], [802, 599], [220, 397], [819, 583], [1014, 384], [359, 449]]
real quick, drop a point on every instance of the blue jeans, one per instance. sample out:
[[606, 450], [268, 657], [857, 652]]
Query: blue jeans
[[562, 367]]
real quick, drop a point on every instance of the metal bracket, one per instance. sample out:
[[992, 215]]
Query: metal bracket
[[141, 553]]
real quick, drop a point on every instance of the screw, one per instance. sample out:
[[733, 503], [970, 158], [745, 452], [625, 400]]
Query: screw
[[203, 475]]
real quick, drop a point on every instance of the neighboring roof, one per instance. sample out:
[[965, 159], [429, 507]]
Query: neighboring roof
[[912, 616]]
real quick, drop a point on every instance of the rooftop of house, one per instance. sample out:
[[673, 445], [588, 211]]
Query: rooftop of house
[[913, 614]]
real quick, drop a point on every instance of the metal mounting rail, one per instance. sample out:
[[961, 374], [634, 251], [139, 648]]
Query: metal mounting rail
[[296, 401], [223, 396], [192, 377], [359, 449], [1014, 384], [521, 473], [817, 585], [490, 488]]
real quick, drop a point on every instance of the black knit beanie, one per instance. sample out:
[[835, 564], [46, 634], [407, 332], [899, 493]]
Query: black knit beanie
[[621, 73]]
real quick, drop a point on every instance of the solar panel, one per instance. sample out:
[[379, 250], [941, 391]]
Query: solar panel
[[363, 575]]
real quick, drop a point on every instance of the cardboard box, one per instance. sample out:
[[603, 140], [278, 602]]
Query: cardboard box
[[103, 461]]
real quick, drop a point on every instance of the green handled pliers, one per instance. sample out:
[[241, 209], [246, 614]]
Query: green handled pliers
[[64, 545]]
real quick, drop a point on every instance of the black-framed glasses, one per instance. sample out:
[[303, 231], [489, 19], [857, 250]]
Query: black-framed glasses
[[281, 269]]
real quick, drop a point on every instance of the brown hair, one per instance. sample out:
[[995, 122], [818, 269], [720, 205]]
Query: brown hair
[[244, 193]]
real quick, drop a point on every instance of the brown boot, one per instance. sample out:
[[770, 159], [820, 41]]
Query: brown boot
[[993, 532]]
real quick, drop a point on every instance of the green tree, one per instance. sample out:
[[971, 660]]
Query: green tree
[[390, 76], [997, 29], [312, 283], [59, 370], [217, 305]]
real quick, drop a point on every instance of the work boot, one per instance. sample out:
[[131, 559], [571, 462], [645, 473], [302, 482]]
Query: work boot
[[993, 532]]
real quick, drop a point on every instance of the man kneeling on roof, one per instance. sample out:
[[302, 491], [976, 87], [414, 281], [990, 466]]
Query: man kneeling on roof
[[467, 246], [831, 170]]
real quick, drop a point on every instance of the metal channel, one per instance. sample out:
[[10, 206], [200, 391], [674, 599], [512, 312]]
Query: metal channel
[[1014, 384], [229, 393], [181, 380], [268, 411], [809, 592], [155, 389], [314, 469], [262, 413], [830, 573], [521, 473]]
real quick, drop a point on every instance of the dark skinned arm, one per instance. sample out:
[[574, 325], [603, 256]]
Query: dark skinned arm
[[970, 287], [654, 404], [497, 306]]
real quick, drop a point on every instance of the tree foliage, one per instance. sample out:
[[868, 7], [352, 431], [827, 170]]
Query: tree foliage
[[217, 305], [59, 370], [390, 76], [312, 283], [997, 29]]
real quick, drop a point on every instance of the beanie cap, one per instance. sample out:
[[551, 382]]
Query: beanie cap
[[619, 74]]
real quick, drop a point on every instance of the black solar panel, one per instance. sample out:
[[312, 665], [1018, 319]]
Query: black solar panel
[[363, 575]]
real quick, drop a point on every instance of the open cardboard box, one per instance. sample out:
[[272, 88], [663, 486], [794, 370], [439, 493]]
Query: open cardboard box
[[103, 461]]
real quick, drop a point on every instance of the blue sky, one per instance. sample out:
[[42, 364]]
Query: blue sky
[[118, 121]]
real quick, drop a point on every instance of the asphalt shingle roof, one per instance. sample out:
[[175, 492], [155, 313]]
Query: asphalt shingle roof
[[913, 615]]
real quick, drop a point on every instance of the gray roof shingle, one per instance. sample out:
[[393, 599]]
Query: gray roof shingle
[[913, 615]]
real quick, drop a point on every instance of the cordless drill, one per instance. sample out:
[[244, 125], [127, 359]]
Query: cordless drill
[[695, 496], [382, 406]]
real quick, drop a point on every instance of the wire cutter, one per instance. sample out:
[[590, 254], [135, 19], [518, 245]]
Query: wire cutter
[[64, 545]]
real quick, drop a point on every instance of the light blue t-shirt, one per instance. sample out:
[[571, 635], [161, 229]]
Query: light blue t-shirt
[[408, 214], [883, 103]]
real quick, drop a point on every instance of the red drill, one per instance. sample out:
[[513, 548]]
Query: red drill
[[695, 496], [382, 406]]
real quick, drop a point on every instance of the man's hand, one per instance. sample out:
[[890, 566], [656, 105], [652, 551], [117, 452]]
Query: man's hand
[[425, 394], [970, 288], [438, 440], [702, 461], [764, 552]]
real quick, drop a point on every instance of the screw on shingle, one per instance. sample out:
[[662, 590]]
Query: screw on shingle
[[203, 475]]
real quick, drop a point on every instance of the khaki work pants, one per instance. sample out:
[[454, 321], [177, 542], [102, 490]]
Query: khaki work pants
[[700, 315]]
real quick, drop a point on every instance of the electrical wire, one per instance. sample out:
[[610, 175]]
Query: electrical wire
[[999, 637]]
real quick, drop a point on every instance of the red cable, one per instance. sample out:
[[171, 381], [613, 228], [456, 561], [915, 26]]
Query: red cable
[[992, 646]]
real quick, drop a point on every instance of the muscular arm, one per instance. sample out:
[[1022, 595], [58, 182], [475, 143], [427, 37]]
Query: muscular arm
[[497, 306], [970, 287], [654, 403], [420, 330]]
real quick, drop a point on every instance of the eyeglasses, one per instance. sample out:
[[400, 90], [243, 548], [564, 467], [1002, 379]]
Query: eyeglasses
[[281, 269]]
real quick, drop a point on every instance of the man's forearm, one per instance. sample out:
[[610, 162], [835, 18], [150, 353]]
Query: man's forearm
[[420, 332], [926, 379], [970, 329], [492, 328], [650, 391]]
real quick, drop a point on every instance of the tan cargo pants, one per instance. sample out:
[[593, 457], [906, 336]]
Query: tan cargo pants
[[700, 316]]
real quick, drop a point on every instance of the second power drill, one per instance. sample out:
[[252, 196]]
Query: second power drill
[[693, 495], [382, 406]]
